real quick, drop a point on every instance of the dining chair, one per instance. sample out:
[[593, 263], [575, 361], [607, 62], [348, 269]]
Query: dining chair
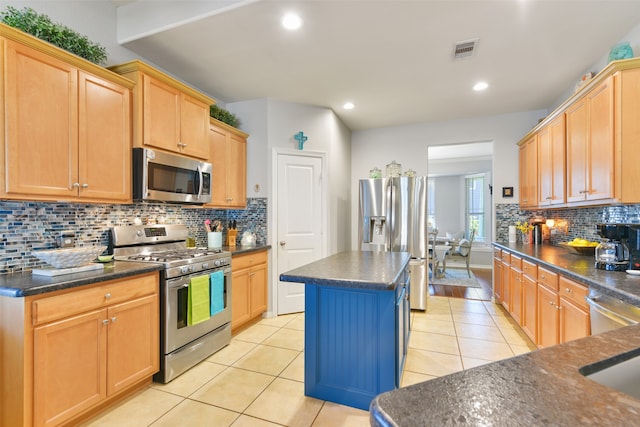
[[463, 250]]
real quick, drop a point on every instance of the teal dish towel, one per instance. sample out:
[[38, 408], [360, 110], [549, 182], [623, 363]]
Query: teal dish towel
[[198, 304], [217, 292]]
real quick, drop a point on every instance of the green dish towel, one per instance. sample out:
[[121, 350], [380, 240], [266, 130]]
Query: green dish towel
[[198, 307]]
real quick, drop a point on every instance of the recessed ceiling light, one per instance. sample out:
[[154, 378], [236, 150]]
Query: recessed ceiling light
[[348, 106], [291, 21], [480, 86]]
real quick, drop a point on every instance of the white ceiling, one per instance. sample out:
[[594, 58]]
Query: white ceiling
[[392, 58]]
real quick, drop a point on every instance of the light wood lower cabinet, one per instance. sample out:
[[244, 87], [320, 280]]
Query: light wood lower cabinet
[[497, 275], [530, 300], [515, 288], [574, 311], [80, 349], [249, 279]]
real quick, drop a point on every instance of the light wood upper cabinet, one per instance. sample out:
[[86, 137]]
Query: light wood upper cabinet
[[228, 157], [67, 131], [551, 163], [590, 145], [529, 173], [167, 114]]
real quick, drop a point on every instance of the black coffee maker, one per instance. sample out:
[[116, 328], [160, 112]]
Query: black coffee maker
[[634, 246], [613, 253]]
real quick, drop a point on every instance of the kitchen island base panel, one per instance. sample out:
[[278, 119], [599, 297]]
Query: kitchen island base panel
[[350, 344]]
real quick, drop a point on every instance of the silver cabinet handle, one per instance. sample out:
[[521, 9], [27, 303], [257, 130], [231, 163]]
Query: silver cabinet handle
[[568, 290], [75, 185], [105, 322], [113, 319], [85, 185], [107, 295]]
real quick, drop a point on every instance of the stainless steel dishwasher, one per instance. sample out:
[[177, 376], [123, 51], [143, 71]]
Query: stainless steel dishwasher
[[609, 313]]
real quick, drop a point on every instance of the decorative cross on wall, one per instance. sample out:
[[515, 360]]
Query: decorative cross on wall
[[301, 139]]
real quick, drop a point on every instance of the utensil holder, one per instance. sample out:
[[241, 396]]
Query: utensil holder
[[214, 240], [231, 238]]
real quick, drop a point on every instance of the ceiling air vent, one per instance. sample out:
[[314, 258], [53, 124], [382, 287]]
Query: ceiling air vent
[[465, 49]]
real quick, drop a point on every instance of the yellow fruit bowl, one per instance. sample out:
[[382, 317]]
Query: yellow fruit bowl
[[582, 250]]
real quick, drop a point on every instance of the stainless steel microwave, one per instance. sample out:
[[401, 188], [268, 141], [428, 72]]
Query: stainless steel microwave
[[164, 177]]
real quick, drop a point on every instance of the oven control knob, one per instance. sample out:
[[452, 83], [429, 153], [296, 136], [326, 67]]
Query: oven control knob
[[184, 269], [205, 265], [217, 263]]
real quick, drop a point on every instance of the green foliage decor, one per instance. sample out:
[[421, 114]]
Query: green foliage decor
[[224, 116], [41, 26]]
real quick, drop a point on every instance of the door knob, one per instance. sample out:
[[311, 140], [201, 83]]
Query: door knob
[[282, 243]]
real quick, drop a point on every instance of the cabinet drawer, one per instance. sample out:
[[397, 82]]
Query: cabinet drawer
[[245, 261], [530, 269], [548, 278], [573, 291], [516, 262], [506, 256], [85, 299]]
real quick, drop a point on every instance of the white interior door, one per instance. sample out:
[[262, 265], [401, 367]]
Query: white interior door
[[299, 219]]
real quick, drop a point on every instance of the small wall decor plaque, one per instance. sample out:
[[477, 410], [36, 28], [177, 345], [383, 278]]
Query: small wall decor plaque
[[507, 191], [301, 138]]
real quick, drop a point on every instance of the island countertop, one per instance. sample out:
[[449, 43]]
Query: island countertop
[[353, 269]]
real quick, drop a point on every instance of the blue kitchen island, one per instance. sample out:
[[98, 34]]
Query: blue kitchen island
[[356, 324]]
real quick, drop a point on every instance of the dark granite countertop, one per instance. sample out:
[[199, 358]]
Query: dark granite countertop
[[353, 269], [580, 268], [25, 284], [539, 388], [243, 250]]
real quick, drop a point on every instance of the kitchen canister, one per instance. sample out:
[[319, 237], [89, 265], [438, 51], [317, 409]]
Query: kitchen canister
[[394, 169], [214, 240], [512, 233], [375, 173]]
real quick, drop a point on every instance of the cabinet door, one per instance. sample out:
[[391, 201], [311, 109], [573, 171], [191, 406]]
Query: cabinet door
[[497, 279], [70, 367], [506, 278], [528, 173], [104, 150], [515, 305], [576, 117], [161, 114], [529, 307], [547, 317], [218, 159], [133, 350], [240, 297], [237, 172], [601, 142], [41, 134], [574, 321], [194, 127], [551, 163], [258, 293]]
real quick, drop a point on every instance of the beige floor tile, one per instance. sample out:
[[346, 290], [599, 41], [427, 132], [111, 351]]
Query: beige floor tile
[[256, 333], [436, 309], [297, 323], [233, 389], [192, 380], [514, 336], [432, 363], [292, 339], [437, 303], [410, 378], [438, 316], [481, 349], [232, 353], [334, 415], [247, 421], [471, 362], [480, 332], [491, 307], [284, 402], [423, 324], [278, 321], [267, 360], [197, 414], [142, 409], [295, 370], [459, 305], [473, 318], [521, 349], [434, 342]]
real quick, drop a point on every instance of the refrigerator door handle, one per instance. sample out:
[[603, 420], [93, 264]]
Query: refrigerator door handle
[[366, 230]]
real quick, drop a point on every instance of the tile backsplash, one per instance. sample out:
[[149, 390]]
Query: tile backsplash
[[27, 226], [581, 221]]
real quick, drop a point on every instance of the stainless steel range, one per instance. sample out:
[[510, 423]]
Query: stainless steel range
[[182, 345]]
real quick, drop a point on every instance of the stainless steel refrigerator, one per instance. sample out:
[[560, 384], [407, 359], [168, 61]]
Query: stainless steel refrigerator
[[393, 217]]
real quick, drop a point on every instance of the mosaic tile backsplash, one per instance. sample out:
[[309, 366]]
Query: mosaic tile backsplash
[[581, 221], [27, 226]]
